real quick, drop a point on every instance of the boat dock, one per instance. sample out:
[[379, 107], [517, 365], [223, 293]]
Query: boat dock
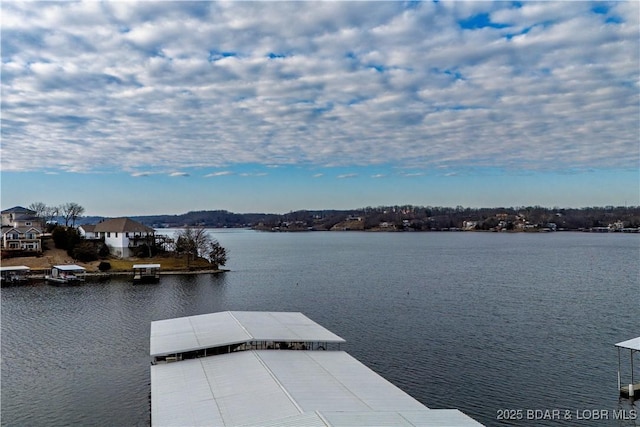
[[146, 273], [14, 275], [630, 390], [66, 274], [268, 369]]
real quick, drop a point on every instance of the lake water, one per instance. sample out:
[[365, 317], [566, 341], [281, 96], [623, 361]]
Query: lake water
[[481, 322]]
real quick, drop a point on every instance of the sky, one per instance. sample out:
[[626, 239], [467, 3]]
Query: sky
[[141, 108]]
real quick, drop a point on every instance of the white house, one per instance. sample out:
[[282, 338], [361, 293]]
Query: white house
[[87, 231], [122, 234]]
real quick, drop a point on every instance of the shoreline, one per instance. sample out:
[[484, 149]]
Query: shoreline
[[40, 265], [38, 276], [42, 262]]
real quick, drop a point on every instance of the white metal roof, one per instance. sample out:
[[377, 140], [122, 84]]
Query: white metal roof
[[15, 268], [68, 267], [184, 334], [632, 344], [285, 388], [146, 266]]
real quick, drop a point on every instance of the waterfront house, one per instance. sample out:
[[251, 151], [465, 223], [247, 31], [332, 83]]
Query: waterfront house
[[22, 239], [87, 231], [122, 234], [17, 213], [21, 230], [469, 225]]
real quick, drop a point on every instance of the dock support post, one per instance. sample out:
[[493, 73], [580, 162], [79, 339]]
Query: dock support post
[[631, 353], [618, 368]]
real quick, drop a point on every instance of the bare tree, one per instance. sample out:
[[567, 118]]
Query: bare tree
[[39, 208], [45, 213], [195, 242], [70, 212], [50, 213]]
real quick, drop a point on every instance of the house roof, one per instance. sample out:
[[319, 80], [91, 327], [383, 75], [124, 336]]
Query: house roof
[[88, 228], [18, 209], [21, 230], [121, 225]]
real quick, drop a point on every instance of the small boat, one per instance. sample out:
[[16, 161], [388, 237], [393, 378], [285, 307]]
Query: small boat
[[146, 273], [16, 275], [66, 274]]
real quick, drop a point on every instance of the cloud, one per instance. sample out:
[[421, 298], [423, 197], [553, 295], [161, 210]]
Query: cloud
[[174, 174], [90, 86], [347, 175], [318, 175], [221, 173], [379, 175]]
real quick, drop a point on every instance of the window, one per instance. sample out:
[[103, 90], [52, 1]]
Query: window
[[108, 234], [116, 234]]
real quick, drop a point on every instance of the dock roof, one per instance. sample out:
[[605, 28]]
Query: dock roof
[[15, 268], [146, 266], [68, 267], [632, 344], [272, 387], [172, 336]]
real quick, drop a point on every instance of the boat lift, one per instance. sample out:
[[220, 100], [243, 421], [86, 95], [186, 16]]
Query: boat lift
[[632, 390]]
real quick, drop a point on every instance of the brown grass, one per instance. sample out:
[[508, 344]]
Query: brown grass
[[53, 257], [167, 262]]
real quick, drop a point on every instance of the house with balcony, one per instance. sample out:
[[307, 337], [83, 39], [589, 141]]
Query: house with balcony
[[21, 230], [121, 235]]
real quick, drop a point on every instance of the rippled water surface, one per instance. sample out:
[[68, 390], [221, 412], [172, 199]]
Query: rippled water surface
[[476, 321]]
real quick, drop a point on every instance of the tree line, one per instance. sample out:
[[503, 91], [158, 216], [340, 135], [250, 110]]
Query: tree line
[[419, 218], [413, 217]]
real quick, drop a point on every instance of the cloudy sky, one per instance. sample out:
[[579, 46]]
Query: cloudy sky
[[164, 107]]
